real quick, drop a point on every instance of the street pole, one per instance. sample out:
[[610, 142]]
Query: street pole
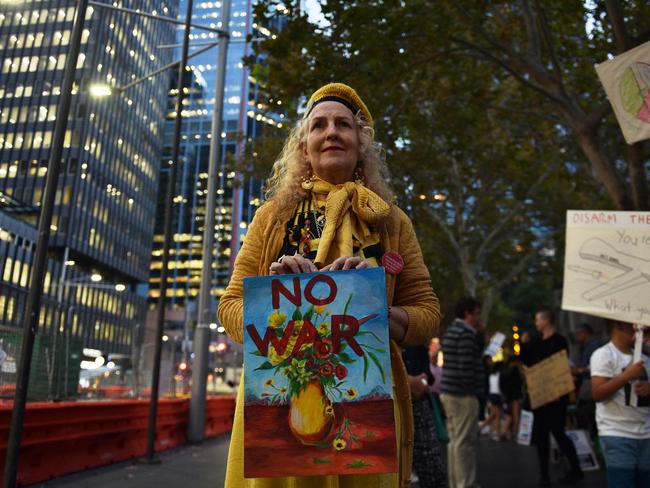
[[171, 184], [196, 427], [33, 304]]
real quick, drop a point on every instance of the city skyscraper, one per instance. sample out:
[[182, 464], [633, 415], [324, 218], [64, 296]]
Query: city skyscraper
[[106, 199], [237, 197]]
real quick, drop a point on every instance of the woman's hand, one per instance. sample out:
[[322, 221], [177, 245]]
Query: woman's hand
[[398, 323], [346, 262], [292, 264], [418, 385]]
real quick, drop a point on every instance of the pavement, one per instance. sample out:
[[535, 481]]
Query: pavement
[[501, 465]]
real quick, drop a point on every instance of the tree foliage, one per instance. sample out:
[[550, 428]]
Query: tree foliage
[[492, 121]]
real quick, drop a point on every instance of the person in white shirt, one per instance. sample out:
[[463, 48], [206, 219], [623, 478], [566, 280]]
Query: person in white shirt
[[624, 429]]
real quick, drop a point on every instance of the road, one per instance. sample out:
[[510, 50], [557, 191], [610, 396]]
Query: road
[[501, 465]]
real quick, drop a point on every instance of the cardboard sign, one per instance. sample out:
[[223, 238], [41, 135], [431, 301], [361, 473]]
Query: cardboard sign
[[626, 80], [549, 379], [317, 376], [607, 265]]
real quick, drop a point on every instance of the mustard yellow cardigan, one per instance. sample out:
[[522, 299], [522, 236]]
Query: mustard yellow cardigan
[[411, 290]]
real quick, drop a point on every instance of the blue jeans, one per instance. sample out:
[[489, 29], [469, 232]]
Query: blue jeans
[[628, 461]]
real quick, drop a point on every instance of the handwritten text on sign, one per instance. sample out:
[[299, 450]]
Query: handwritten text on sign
[[607, 264]]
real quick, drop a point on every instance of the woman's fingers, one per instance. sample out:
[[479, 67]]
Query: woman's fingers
[[338, 263], [346, 262], [292, 264], [305, 265]]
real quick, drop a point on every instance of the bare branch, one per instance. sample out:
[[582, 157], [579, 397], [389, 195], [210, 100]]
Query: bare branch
[[615, 14], [637, 173], [510, 69], [548, 40], [443, 225], [595, 117], [543, 116], [521, 264], [497, 230], [533, 33]]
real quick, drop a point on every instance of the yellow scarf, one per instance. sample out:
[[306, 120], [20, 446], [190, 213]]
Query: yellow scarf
[[349, 210]]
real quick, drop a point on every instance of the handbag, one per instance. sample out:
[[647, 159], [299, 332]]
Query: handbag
[[438, 420]]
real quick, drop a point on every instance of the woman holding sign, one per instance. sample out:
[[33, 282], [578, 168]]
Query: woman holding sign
[[329, 208]]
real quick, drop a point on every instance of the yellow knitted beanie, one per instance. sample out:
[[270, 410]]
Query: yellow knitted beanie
[[338, 92]]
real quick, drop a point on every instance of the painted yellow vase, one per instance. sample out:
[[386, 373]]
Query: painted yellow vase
[[307, 418]]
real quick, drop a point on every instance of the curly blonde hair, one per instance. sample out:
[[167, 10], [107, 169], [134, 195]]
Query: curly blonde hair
[[284, 185]]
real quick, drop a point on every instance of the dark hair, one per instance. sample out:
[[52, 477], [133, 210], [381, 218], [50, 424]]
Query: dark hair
[[466, 305], [587, 328], [547, 314]]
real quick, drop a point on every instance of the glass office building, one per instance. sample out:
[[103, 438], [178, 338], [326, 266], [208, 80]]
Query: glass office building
[[106, 199], [237, 198]]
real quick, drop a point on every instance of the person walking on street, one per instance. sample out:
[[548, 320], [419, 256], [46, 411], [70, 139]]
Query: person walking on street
[[512, 385], [624, 429], [551, 417], [463, 380]]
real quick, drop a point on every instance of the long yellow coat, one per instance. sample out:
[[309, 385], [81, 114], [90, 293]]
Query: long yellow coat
[[411, 289]]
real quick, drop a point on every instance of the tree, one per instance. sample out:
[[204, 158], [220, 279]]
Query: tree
[[482, 162]]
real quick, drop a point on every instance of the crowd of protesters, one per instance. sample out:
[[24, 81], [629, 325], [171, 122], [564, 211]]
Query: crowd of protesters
[[481, 395]]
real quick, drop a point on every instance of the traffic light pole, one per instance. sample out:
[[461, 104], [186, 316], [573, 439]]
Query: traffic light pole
[[196, 426]]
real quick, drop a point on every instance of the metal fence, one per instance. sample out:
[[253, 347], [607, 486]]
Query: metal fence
[[63, 369]]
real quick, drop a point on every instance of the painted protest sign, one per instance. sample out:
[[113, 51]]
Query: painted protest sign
[[626, 80], [607, 265], [317, 376], [549, 379]]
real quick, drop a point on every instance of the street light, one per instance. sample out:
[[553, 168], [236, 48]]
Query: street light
[[98, 90]]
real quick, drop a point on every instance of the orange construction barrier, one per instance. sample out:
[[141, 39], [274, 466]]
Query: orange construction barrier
[[61, 438]]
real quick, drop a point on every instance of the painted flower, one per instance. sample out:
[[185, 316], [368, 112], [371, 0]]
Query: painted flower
[[339, 444], [326, 369], [351, 393], [323, 328], [329, 410], [277, 318], [297, 325], [268, 382], [300, 354], [323, 348], [283, 389], [340, 371], [319, 309]]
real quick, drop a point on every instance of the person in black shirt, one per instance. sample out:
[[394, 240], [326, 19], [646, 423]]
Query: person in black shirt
[[551, 417]]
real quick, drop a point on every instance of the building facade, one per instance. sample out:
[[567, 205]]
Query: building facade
[[106, 199], [237, 197]]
